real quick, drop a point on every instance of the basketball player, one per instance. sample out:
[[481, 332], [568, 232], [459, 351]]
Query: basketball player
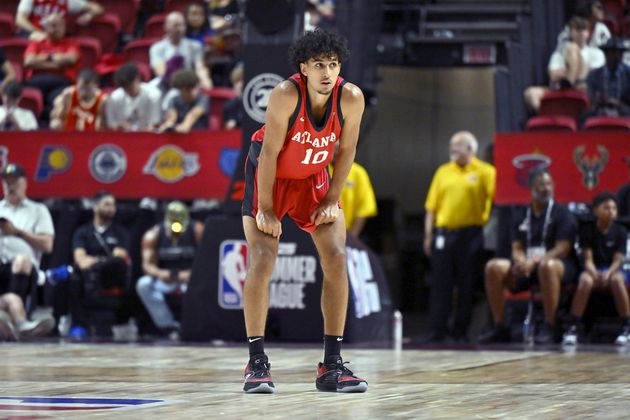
[[286, 173], [80, 107]]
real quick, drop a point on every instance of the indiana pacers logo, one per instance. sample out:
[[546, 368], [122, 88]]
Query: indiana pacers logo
[[52, 160], [256, 95], [108, 163], [170, 164]]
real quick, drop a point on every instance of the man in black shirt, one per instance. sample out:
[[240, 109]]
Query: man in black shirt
[[604, 246], [543, 237], [101, 253]]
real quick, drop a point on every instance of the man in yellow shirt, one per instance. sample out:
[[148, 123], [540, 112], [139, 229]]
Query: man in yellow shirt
[[457, 206], [357, 199]]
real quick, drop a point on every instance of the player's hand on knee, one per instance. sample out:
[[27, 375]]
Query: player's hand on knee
[[327, 213], [268, 223]]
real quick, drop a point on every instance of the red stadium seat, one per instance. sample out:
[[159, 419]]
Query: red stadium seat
[[138, 50], [154, 28], [607, 124], [7, 26], [32, 99], [614, 7], [126, 10], [612, 24], [90, 51], [218, 97], [105, 28], [177, 5], [13, 48], [551, 123], [9, 6], [570, 103]]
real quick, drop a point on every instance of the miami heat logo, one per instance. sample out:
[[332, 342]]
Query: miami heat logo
[[590, 167]]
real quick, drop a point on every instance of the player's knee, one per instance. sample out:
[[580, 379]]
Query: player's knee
[[334, 256], [586, 280], [22, 265], [262, 255]]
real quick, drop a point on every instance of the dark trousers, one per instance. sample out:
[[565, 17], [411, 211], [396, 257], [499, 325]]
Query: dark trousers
[[455, 264], [50, 85]]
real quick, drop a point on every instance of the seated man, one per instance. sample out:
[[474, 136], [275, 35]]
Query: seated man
[[101, 252], [604, 247], [134, 106], [26, 231], [609, 85], [30, 13], [233, 111], [189, 109], [542, 252], [570, 65], [12, 117], [168, 251], [52, 63], [175, 44], [80, 107]]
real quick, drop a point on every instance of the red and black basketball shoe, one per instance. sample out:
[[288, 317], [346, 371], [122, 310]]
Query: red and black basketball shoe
[[333, 376], [258, 376]]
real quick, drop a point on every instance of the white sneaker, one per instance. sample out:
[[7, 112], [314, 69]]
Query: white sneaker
[[570, 337], [624, 337], [36, 328]]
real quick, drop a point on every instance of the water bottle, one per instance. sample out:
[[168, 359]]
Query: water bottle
[[528, 325], [397, 330], [59, 274]]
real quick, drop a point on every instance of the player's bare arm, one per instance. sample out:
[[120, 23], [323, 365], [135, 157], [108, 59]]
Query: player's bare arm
[[352, 105], [282, 103]]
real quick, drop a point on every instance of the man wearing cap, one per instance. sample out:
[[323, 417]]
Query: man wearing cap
[[101, 253], [168, 251], [26, 232], [609, 85]]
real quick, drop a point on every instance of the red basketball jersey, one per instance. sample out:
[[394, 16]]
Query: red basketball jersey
[[43, 8], [82, 116], [308, 147]]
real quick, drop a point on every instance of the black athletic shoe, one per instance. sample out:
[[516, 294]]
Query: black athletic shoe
[[497, 334], [333, 376], [258, 376], [545, 335]]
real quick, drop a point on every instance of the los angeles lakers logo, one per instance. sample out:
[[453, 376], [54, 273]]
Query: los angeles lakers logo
[[170, 164]]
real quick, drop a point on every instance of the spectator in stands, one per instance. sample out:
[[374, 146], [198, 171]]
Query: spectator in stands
[[609, 85], [133, 106], [27, 231], [14, 324], [101, 253], [593, 11], [198, 23], [168, 251], [31, 13], [457, 207], [51, 63], [175, 45], [7, 71], [357, 198], [569, 66], [604, 247], [542, 253], [189, 109], [80, 107], [233, 111], [12, 117], [223, 13]]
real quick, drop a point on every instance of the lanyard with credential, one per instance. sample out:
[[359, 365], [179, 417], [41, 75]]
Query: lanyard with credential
[[546, 223]]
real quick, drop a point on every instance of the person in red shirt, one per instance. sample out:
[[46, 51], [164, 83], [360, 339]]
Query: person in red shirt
[[51, 63], [286, 173], [80, 107], [30, 14]]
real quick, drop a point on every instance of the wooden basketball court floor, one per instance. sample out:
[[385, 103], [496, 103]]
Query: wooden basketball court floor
[[199, 382]]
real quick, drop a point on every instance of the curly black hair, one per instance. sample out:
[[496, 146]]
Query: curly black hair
[[318, 43]]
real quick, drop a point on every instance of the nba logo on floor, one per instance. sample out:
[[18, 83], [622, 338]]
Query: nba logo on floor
[[232, 271]]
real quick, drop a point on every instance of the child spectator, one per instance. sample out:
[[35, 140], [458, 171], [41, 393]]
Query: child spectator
[[189, 108], [12, 117], [80, 107]]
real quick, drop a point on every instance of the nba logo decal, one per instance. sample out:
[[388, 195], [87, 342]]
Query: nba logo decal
[[232, 271]]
